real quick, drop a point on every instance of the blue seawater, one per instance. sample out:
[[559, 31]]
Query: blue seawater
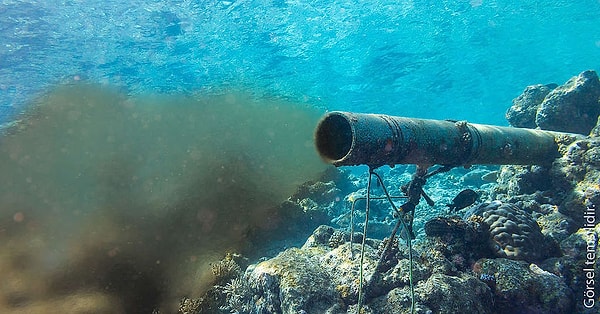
[[131, 205], [442, 59]]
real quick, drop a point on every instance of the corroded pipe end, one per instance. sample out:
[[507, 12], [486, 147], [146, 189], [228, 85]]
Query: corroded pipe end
[[334, 137]]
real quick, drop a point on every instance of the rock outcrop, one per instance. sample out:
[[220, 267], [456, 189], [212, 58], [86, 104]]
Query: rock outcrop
[[572, 107]]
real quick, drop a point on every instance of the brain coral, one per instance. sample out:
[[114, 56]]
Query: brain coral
[[513, 233]]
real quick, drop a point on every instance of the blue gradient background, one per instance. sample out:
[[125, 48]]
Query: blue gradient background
[[432, 59]]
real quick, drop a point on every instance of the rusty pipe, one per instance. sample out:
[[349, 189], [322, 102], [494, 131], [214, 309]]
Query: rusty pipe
[[347, 139]]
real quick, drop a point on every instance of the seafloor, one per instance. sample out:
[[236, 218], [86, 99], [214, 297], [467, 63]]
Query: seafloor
[[529, 244]]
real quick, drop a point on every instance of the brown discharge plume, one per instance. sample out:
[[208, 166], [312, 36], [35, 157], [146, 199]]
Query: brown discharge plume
[[124, 201]]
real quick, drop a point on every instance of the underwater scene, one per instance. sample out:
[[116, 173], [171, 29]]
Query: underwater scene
[[299, 157]]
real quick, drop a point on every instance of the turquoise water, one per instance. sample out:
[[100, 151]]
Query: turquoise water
[[174, 130], [433, 59]]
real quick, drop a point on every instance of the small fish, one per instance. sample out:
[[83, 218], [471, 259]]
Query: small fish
[[464, 199]]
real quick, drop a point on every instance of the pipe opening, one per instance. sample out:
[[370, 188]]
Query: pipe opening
[[333, 137]]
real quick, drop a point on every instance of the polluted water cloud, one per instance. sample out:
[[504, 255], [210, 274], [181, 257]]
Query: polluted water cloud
[[120, 203]]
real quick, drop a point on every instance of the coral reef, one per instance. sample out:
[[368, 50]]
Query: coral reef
[[596, 130], [519, 250], [295, 281], [512, 232], [225, 269], [568, 187], [520, 287], [522, 249], [322, 194], [491, 229], [563, 197], [459, 242], [477, 177], [319, 278], [579, 252], [453, 294]]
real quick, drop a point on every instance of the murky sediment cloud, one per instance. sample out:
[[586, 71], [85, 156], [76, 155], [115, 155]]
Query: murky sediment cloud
[[132, 197]]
